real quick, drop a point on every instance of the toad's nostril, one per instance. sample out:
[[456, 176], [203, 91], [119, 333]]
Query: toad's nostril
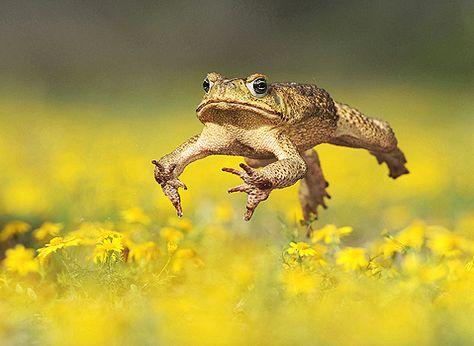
[[227, 86]]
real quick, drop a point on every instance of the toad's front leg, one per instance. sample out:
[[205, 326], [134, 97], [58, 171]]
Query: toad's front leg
[[170, 166], [258, 184]]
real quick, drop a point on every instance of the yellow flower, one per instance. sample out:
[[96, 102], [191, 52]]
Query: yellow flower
[[114, 244], [21, 260], [171, 234], [381, 269], [390, 247], [416, 266], [110, 247], [330, 234], [352, 258], [13, 228], [413, 236], [47, 229], [108, 234], [144, 252], [135, 215], [301, 248], [445, 243], [55, 244], [320, 251]]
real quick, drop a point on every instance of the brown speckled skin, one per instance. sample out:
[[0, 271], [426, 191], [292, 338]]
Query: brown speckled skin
[[276, 132]]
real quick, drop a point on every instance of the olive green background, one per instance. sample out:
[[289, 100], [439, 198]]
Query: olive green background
[[99, 50]]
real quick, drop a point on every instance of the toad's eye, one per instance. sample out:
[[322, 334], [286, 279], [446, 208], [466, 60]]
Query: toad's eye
[[258, 87], [207, 85]]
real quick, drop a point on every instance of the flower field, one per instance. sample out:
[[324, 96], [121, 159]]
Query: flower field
[[91, 252]]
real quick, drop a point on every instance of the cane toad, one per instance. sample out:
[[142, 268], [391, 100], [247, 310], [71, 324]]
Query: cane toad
[[275, 127]]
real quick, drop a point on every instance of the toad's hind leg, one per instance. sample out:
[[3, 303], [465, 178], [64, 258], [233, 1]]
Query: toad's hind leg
[[312, 189], [313, 186], [359, 131]]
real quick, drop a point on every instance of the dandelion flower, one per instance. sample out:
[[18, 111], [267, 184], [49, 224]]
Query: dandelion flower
[[13, 228], [21, 260]]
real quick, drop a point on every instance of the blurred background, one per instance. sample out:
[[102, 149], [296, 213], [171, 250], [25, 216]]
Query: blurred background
[[92, 91], [86, 48]]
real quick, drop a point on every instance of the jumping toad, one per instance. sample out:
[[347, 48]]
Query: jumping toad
[[275, 127]]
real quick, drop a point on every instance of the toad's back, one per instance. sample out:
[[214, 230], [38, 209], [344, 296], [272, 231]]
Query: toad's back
[[309, 113]]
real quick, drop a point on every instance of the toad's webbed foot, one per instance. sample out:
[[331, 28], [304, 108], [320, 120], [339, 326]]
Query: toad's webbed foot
[[395, 161], [169, 184], [255, 185]]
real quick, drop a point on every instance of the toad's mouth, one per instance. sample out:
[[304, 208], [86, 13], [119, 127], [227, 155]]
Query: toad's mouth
[[229, 105]]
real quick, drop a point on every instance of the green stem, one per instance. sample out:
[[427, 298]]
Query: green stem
[[165, 266]]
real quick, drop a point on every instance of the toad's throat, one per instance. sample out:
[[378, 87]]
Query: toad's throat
[[221, 104]]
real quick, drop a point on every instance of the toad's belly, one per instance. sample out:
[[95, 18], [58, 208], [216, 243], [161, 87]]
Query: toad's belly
[[261, 142]]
